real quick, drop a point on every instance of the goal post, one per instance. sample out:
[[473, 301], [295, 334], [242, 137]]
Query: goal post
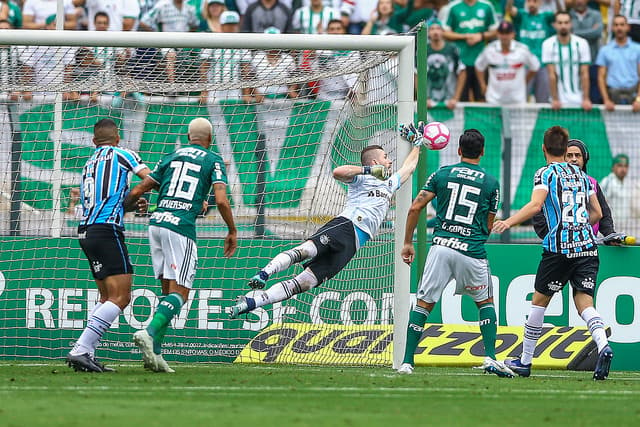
[[279, 148]]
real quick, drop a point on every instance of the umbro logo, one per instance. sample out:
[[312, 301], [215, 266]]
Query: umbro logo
[[96, 266]]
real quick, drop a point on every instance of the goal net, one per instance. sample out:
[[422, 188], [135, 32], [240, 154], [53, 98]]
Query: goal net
[[285, 111]]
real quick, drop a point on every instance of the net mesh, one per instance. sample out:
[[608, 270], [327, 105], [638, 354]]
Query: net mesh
[[282, 120]]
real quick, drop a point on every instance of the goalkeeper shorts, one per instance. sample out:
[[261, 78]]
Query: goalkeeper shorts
[[336, 243]]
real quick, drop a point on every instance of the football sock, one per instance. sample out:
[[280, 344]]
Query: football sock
[[99, 322], [488, 328], [596, 327], [286, 259], [417, 318], [532, 332], [93, 310], [168, 307], [286, 289]]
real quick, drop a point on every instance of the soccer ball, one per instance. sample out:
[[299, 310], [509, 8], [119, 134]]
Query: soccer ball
[[436, 135]]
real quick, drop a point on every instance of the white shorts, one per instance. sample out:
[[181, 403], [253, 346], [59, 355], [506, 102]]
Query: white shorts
[[173, 256], [443, 264]]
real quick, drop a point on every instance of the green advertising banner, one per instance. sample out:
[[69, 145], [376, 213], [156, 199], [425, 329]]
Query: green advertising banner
[[46, 292]]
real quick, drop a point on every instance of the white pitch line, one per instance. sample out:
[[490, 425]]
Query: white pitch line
[[359, 390], [375, 371]]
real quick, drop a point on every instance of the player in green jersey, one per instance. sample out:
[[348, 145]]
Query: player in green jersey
[[183, 180], [468, 200]]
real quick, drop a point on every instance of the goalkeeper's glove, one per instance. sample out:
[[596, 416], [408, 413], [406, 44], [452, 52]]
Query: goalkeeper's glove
[[378, 171], [412, 134]]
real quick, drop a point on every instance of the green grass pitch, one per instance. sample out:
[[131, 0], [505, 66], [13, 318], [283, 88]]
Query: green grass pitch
[[50, 394]]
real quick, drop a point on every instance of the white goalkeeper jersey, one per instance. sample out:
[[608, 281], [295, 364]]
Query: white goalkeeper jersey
[[368, 200]]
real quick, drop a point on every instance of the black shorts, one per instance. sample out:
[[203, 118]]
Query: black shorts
[[103, 245], [555, 270], [336, 243]]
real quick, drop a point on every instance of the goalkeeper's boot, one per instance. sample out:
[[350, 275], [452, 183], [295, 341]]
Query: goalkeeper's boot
[[144, 342], [243, 305], [603, 364], [162, 365], [102, 366], [405, 368], [259, 281], [518, 367], [82, 363], [491, 366]]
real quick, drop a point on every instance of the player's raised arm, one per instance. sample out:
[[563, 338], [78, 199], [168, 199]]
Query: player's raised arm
[[224, 207], [409, 164]]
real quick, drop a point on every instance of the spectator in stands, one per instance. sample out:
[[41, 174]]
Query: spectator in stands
[[101, 21], [313, 19], [11, 12], [225, 67], [469, 23], [587, 23], [271, 66], [445, 73], [510, 65], [36, 12], [265, 14], [622, 194], [630, 9], [74, 209], [553, 6], [211, 16], [122, 13], [84, 67], [10, 67], [380, 21], [619, 67], [360, 14], [173, 16], [146, 6], [415, 12], [39, 63], [567, 58], [533, 27], [170, 15], [338, 87]]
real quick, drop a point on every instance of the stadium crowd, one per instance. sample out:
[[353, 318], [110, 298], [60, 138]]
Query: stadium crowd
[[568, 53], [479, 50]]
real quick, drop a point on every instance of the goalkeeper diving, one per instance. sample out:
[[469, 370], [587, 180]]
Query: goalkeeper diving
[[370, 189]]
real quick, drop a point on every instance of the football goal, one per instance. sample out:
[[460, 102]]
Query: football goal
[[285, 109]]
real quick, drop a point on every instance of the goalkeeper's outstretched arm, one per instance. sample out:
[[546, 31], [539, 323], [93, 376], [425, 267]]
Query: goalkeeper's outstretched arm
[[409, 164]]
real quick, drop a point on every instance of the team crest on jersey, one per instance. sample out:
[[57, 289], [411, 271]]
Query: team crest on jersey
[[481, 13], [324, 239]]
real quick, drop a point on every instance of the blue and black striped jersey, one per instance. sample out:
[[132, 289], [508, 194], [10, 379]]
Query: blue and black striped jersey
[[565, 208], [105, 182]]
